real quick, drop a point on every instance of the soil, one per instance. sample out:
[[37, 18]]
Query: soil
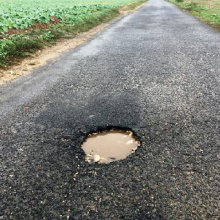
[[54, 20], [41, 57]]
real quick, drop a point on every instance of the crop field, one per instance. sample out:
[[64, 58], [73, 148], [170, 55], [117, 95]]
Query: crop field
[[26, 26], [21, 14]]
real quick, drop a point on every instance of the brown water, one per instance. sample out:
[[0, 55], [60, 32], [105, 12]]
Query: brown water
[[109, 146]]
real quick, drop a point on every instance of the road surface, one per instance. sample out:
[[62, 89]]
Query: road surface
[[157, 72]]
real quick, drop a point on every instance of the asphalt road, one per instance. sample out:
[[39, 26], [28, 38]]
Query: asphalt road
[[156, 71]]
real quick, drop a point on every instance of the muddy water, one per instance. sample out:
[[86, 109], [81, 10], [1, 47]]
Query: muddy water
[[109, 146]]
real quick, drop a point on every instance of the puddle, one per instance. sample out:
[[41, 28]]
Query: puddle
[[109, 146]]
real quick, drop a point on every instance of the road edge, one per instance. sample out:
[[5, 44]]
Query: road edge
[[43, 56]]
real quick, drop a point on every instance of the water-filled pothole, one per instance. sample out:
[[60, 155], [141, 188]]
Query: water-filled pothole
[[109, 146]]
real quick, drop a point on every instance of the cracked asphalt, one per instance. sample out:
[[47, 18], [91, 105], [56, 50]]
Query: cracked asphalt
[[156, 71]]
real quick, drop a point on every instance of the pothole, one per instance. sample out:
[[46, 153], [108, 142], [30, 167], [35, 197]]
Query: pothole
[[109, 146]]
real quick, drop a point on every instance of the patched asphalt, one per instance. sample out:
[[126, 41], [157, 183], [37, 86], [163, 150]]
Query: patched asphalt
[[157, 72]]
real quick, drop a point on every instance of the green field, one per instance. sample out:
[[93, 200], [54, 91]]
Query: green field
[[65, 2], [21, 14], [26, 26]]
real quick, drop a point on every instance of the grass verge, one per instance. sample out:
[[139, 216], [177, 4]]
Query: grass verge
[[206, 10], [132, 6], [13, 47]]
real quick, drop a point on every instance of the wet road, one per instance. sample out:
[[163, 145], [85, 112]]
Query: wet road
[[157, 72]]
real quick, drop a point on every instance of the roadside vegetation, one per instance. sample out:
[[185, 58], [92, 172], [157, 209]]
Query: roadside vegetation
[[27, 26], [206, 10]]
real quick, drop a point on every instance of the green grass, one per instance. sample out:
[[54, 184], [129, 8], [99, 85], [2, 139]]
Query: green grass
[[206, 10], [74, 16]]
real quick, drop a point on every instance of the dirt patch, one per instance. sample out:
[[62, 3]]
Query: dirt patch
[[41, 57], [131, 7], [54, 20]]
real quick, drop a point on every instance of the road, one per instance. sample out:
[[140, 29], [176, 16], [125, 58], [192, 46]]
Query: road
[[155, 71]]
